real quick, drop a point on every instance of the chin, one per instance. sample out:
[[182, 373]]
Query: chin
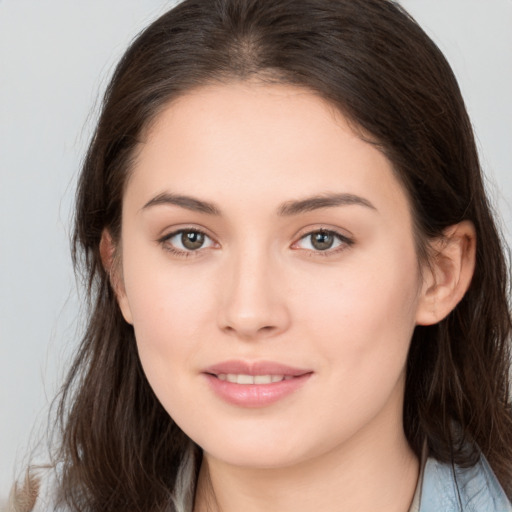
[[260, 456]]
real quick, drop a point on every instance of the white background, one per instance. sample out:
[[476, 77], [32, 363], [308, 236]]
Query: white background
[[55, 59]]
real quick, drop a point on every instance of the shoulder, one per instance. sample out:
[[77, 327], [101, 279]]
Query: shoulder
[[451, 488], [36, 493]]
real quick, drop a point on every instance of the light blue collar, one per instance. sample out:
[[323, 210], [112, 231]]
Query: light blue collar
[[448, 488]]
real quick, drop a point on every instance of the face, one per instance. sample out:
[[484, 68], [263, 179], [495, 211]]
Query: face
[[270, 273]]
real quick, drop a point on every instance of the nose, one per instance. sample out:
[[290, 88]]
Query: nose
[[253, 303]]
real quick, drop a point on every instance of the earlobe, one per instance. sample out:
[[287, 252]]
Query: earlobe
[[111, 264], [448, 275]]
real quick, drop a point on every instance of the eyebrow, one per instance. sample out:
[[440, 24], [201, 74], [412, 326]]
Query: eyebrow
[[289, 208], [322, 201], [190, 203]]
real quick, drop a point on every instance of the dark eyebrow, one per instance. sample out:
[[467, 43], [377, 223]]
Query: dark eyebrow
[[322, 201], [286, 209], [187, 202]]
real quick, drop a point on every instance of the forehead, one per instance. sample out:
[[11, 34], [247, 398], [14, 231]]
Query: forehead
[[274, 142]]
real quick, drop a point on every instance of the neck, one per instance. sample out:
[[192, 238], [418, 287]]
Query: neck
[[370, 472]]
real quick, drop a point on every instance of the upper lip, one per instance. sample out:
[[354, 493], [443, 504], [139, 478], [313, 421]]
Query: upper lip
[[255, 368]]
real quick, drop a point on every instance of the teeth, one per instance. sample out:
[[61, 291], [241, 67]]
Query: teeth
[[263, 379], [252, 379]]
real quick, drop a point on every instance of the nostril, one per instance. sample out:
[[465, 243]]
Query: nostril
[[249, 331]]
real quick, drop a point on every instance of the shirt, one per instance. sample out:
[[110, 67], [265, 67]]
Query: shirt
[[446, 488], [441, 488]]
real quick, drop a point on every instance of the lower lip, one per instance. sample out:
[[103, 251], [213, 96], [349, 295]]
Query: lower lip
[[255, 395]]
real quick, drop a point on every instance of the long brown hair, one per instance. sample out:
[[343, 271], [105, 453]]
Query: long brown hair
[[120, 450]]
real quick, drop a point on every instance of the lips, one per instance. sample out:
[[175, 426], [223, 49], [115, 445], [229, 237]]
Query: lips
[[254, 384], [255, 368]]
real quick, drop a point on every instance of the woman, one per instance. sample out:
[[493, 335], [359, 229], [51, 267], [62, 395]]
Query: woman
[[298, 293]]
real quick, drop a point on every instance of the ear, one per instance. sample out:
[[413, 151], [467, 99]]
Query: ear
[[112, 265], [448, 275]]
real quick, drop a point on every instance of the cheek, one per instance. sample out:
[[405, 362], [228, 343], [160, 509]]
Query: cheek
[[169, 308], [169, 313], [364, 313], [359, 324], [167, 332]]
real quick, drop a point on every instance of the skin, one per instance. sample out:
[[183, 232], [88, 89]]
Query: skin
[[259, 290]]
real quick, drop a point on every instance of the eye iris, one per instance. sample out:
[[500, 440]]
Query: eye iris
[[322, 240], [192, 240]]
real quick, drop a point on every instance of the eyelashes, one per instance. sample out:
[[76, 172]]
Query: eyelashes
[[323, 241], [190, 242], [186, 242]]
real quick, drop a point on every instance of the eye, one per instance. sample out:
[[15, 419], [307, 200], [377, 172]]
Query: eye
[[187, 240], [323, 240]]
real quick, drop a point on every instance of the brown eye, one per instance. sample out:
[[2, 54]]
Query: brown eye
[[192, 240], [187, 241], [322, 240]]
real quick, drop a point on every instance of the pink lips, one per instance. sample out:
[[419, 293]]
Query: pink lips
[[257, 394]]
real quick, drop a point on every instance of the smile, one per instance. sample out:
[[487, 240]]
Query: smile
[[255, 384], [242, 378]]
